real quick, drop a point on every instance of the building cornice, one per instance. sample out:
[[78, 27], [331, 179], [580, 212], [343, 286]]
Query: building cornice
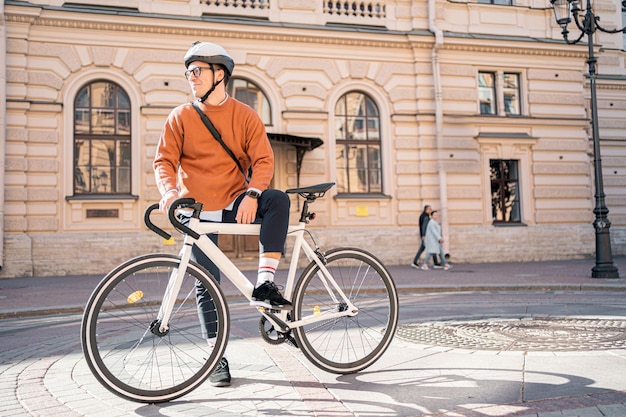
[[620, 87], [528, 49], [222, 28], [266, 31], [503, 44]]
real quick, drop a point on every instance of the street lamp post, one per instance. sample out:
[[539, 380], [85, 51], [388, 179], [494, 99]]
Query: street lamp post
[[588, 23]]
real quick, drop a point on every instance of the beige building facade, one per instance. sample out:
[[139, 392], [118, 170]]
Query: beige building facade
[[478, 109]]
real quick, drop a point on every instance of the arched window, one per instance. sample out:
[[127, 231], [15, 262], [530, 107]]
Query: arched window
[[357, 138], [102, 148], [250, 94]]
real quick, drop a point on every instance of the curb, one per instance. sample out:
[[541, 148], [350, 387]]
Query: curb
[[403, 289]]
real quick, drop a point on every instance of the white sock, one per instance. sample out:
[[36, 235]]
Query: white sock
[[211, 342], [267, 269]]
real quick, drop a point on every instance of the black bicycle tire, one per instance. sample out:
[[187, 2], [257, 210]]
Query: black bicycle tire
[[306, 346], [92, 310]]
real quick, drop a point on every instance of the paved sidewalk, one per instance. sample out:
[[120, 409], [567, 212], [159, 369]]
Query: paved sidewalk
[[413, 378]]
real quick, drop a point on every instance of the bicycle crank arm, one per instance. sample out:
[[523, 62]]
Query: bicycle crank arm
[[275, 320]]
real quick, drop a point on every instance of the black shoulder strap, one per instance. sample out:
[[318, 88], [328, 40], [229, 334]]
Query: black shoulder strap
[[218, 137]]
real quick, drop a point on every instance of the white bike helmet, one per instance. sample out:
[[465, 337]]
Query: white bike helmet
[[210, 53]]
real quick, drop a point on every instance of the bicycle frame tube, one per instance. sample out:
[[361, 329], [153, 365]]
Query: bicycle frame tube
[[330, 284], [300, 245], [173, 288], [298, 233], [239, 280]]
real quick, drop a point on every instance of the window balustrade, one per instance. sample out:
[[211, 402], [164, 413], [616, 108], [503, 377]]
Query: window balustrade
[[240, 4], [334, 11], [375, 10]]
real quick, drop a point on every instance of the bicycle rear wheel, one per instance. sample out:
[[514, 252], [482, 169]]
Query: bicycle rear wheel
[[346, 344], [127, 357]]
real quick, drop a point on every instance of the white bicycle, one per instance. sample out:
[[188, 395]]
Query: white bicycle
[[141, 334]]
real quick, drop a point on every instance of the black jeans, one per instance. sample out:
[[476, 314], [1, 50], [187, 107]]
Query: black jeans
[[419, 252], [273, 215]]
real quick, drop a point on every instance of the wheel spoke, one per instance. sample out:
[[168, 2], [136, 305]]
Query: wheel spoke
[[128, 358], [350, 343]]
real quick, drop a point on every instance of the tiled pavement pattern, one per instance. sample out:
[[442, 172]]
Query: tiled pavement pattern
[[570, 371]]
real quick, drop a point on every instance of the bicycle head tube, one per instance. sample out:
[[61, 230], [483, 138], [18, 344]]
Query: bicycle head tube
[[184, 203]]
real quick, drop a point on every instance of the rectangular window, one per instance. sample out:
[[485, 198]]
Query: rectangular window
[[510, 87], [505, 194], [502, 2], [487, 92], [499, 93], [624, 23]]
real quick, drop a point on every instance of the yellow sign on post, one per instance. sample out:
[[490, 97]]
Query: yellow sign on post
[[362, 211]]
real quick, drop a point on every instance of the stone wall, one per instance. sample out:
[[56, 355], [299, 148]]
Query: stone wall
[[85, 253]]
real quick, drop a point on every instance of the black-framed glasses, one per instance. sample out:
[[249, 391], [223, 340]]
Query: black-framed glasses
[[196, 71]]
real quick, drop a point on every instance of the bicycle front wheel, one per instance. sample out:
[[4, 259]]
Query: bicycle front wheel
[[118, 339], [350, 343]]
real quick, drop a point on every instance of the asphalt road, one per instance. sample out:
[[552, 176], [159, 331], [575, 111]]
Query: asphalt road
[[42, 372], [421, 307]]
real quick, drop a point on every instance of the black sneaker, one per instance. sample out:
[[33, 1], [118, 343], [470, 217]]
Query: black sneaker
[[221, 376], [267, 295]]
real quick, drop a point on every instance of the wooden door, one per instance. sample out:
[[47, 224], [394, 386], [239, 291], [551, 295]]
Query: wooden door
[[238, 247]]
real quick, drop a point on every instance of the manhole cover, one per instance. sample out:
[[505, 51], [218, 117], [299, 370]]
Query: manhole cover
[[534, 334]]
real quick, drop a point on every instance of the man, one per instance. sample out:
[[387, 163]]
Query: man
[[433, 242], [190, 162], [423, 223]]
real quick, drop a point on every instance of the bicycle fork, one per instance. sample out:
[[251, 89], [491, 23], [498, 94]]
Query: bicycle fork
[[160, 326]]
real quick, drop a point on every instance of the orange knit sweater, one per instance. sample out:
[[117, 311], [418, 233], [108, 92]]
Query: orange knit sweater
[[190, 159]]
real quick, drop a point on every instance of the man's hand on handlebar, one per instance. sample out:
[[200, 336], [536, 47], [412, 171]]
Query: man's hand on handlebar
[[167, 200]]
